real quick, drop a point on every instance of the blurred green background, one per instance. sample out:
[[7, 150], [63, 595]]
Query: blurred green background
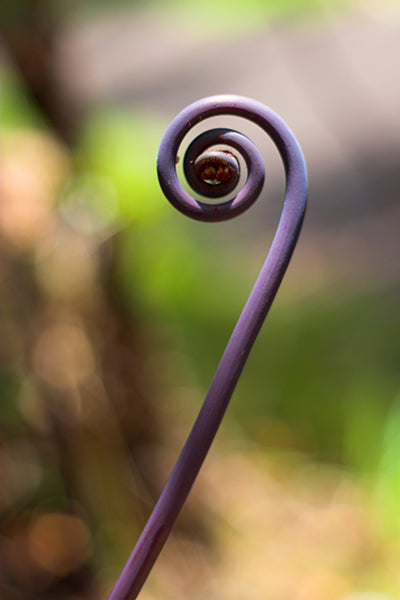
[[116, 309]]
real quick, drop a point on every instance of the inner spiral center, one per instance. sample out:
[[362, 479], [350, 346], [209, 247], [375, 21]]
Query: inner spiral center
[[217, 167]]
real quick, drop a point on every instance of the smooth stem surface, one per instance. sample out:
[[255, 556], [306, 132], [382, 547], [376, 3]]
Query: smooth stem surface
[[250, 321]]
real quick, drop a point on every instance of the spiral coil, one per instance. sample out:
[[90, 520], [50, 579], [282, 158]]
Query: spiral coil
[[215, 174]]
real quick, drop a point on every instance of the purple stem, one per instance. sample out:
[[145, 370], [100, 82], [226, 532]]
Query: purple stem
[[252, 317]]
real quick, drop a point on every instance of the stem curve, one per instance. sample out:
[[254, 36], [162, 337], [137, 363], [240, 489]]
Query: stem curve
[[252, 317]]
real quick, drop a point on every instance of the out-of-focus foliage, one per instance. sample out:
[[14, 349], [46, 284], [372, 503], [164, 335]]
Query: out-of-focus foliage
[[212, 15], [120, 149], [115, 312], [222, 15], [16, 110]]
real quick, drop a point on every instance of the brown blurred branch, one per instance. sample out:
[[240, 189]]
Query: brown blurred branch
[[29, 30]]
